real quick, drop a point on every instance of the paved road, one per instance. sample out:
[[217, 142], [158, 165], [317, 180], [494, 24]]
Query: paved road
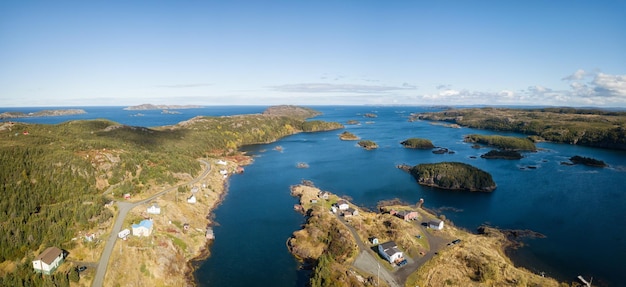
[[366, 261], [124, 208]]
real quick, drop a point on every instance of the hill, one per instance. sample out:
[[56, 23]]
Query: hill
[[453, 175]]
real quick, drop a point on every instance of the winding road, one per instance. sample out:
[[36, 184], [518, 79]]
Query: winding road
[[124, 208]]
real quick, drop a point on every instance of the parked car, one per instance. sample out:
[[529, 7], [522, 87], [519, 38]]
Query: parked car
[[82, 268], [402, 263]]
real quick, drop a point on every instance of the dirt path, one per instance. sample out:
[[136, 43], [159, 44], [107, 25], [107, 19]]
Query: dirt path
[[366, 261], [124, 208]]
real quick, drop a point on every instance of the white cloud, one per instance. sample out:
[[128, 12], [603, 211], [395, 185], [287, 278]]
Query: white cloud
[[610, 85], [339, 88], [578, 75]]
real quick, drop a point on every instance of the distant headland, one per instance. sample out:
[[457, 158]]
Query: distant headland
[[44, 113], [161, 107]]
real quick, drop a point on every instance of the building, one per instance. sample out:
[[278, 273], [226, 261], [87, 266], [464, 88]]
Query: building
[[192, 199], [48, 261], [154, 209], [122, 234], [350, 212], [389, 250], [405, 214], [436, 224], [144, 228], [342, 204]]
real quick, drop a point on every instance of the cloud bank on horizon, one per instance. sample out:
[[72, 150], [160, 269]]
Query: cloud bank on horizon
[[557, 53]]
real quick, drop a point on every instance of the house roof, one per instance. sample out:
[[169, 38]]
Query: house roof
[[435, 222], [341, 201], [390, 248], [144, 223], [48, 255]]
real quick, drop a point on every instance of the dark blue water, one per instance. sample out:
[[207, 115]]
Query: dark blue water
[[580, 209]]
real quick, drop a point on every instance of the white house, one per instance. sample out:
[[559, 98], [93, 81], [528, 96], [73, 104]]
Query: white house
[[389, 250], [342, 204], [48, 260], [154, 209], [221, 162], [144, 228], [192, 199], [223, 172], [436, 224]]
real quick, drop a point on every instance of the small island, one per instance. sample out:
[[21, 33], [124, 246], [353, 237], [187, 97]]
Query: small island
[[502, 142], [44, 113], [368, 144], [452, 175], [587, 161], [348, 136], [502, 154], [353, 122], [417, 143], [161, 107], [370, 115]]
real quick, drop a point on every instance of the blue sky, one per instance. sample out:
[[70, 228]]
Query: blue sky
[[117, 53]]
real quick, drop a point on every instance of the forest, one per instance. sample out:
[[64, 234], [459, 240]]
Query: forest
[[453, 175], [587, 127], [54, 177], [502, 142]]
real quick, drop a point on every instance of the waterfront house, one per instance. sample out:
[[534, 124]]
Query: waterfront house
[[323, 195], [342, 204], [350, 212], [389, 250], [144, 228], [48, 261], [154, 209], [436, 224], [405, 214]]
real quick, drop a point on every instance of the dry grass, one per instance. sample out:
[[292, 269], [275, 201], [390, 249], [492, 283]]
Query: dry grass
[[161, 259]]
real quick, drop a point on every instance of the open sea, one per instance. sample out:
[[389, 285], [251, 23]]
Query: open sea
[[580, 209]]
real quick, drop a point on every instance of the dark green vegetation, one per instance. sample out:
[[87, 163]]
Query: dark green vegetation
[[588, 127], [418, 143], [348, 136], [318, 126], [453, 175], [368, 144], [503, 154], [54, 177], [502, 142], [587, 161]]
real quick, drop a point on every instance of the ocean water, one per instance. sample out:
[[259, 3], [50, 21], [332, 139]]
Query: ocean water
[[580, 209]]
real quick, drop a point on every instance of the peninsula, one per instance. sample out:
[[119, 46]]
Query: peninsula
[[399, 245], [43, 113], [588, 127]]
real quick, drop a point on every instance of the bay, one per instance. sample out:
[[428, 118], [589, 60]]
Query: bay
[[580, 209]]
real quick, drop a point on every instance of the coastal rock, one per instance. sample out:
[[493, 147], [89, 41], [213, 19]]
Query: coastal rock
[[502, 154]]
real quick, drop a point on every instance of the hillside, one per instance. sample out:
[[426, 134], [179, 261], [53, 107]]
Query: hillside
[[588, 127], [58, 178]]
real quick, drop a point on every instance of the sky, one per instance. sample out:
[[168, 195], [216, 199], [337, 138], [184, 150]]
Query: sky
[[120, 53]]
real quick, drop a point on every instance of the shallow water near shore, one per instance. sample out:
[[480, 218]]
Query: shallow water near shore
[[578, 208]]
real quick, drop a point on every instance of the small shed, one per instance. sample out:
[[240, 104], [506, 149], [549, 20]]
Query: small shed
[[154, 209]]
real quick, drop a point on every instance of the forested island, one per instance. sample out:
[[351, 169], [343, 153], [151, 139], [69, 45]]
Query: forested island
[[587, 161], [160, 107], [502, 142], [588, 127], [43, 113], [502, 154], [417, 143], [61, 182], [452, 175]]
